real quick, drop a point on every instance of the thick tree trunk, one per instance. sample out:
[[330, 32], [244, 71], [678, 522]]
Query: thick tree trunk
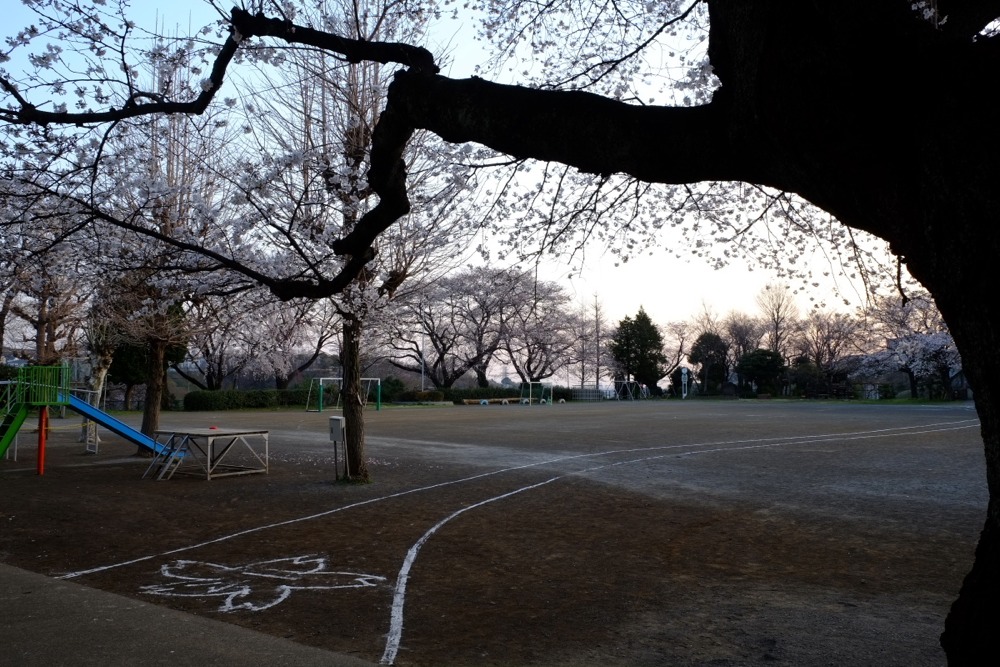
[[155, 385], [971, 634], [352, 393], [912, 378], [282, 381], [952, 251], [6, 306]]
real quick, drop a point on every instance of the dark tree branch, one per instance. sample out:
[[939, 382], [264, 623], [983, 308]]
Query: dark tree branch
[[592, 133], [354, 50], [245, 26], [28, 114]]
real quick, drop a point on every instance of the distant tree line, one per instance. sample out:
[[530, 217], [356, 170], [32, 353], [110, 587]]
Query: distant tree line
[[779, 351]]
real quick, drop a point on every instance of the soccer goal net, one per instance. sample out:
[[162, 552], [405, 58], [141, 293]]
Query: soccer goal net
[[536, 392], [327, 392], [629, 390]]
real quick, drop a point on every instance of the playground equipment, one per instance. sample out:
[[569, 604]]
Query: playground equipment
[[14, 414], [532, 392], [41, 387], [319, 387]]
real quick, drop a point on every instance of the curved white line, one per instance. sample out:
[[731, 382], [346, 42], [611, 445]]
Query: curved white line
[[399, 591], [395, 634]]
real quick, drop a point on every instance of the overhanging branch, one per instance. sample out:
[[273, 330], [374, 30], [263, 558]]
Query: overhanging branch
[[354, 50], [589, 132], [586, 131]]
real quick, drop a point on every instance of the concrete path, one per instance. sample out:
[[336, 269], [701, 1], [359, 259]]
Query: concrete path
[[48, 623]]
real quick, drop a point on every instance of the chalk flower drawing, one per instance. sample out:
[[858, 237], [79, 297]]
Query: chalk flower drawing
[[255, 586]]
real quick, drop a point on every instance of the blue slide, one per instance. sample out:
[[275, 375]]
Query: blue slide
[[115, 426]]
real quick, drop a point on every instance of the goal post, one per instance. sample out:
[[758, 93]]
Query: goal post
[[536, 392], [322, 386], [630, 390]]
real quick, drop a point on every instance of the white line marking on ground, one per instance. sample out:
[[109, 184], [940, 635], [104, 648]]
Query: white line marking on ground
[[901, 430], [255, 586], [395, 635], [399, 591]]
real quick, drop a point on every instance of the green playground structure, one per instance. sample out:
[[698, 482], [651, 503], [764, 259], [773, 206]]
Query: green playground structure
[[36, 387], [39, 387]]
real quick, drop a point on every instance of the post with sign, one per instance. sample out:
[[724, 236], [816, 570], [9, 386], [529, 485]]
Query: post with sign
[[338, 435]]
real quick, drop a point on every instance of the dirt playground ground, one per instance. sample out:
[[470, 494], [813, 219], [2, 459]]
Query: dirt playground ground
[[650, 533]]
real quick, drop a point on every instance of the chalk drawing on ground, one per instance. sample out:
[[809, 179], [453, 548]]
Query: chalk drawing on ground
[[255, 586]]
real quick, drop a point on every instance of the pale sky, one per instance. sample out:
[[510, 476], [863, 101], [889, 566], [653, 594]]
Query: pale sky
[[672, 289]]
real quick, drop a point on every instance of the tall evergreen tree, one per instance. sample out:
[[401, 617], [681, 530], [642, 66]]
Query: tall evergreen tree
[[637, 348], [710, 352]]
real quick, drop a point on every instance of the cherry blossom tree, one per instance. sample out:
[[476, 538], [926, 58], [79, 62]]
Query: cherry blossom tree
[[220, 344], [51, 301], [292, 336], [47, 283], [906, 334], [927, 360], [538, 333], [310, 187], [837, 117]]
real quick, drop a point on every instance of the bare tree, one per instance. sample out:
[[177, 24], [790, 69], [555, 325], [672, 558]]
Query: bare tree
[[456, 325], [824, 338], [676, 338], [589, 328], [780, 316], [708, 321]]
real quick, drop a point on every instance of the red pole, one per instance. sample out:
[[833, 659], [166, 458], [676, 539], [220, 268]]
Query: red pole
[[43, 428]]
